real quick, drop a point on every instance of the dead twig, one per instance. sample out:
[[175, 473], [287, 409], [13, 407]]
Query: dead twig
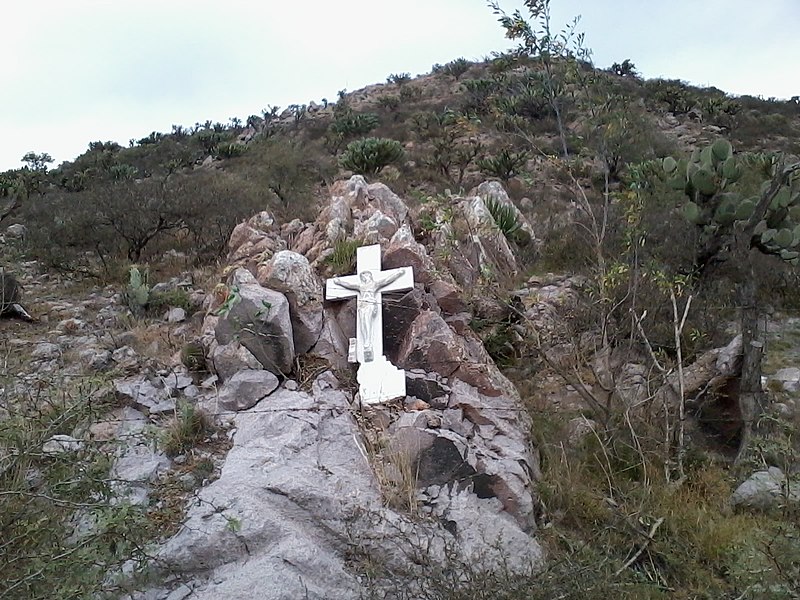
[[642, 548]]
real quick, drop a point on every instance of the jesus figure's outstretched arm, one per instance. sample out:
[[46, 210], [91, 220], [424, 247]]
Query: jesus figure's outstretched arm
[[347, 285], [382, 283]]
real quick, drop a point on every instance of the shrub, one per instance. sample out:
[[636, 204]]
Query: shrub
[[231, 150], [675, 94], [399, 78], [162, 301], [123, 172], [64, 527], [478, 95], [181, 212], [354, 124], [505, 217], [193, 357], [208, 140], [348, 125], [456, 68], [624, 69], [154, 138], [370, 155], [137, 294], [390, 102], [410, 93]]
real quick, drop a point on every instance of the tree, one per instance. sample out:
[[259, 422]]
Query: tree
[[11, 190], [139, 212], [37, 162], [624, 69], [736, 225], [553, 51]]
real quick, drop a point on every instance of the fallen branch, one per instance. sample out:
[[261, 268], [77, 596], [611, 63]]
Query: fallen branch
[[643, 547]]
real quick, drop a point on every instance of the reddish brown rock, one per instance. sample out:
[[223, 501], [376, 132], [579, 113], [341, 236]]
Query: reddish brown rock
[[253, 241], [381, 198], [431, 344], [448, 297], [304, 241], [405, 251]]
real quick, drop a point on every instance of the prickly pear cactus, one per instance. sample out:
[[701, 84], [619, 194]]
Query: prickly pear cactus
[[138, 292], [709, 178]]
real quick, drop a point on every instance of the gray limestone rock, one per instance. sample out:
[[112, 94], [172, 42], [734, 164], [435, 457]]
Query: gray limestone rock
[[143, 394], [260, 320], [135, 469], [297, 489], [45, 351], [246, 388], [290, 273], [61, 443], [176, 315], [332, 344], [765, 490], [404, 251], [291, 482], [95, 359], [16, 231], [378, 228], [789, 378], [228, 359]]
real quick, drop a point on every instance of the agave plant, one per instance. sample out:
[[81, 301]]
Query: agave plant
[[370, 155], [505, 217]]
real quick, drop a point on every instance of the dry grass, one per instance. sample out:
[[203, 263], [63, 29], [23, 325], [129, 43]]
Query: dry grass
[[186, 429]]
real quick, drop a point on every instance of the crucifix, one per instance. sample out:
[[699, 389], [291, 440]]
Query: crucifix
[[379, 380]]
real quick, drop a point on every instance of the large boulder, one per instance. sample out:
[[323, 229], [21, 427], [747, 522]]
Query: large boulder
[[383, 200], [431, 344], [298, 489], [308, 478], [290, 273], [145, 393], [258, 318], [228, 359], [332, 344], [404, 251], [765, 490], [294, 484]]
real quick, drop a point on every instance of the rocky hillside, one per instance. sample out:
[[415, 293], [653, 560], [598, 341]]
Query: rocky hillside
[[585, 413]]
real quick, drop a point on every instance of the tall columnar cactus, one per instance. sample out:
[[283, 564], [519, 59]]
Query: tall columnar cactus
[[709, 178]]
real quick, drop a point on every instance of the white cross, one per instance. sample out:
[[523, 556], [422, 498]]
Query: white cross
[[378, 379]]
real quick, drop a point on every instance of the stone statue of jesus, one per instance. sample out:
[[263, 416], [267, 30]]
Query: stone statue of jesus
[[368, 305]]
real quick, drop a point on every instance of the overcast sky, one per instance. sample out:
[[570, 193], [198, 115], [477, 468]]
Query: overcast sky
[[76, 71]]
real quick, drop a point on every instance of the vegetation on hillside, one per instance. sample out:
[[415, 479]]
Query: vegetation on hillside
[[639, 507]]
